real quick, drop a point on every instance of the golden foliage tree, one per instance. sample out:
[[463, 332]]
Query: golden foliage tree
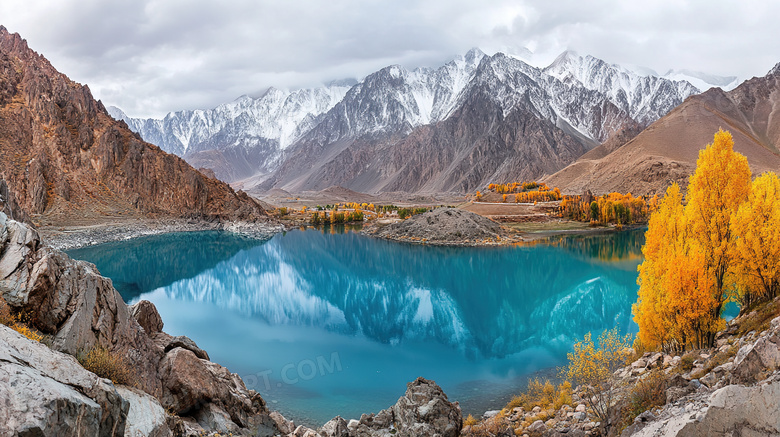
[[757, 242], [690, 252], [719, 186]]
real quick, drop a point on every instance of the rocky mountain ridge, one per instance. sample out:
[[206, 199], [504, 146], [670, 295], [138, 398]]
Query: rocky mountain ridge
[[395, 112], [64, 158]]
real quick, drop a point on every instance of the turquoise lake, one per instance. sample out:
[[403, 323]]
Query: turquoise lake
[[326, 323]]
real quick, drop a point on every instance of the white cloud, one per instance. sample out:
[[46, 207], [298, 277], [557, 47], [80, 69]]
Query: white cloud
[[152, 56]]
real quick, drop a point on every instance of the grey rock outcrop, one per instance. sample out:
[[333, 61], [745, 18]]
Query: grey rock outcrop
[[145, 313], [168, 343], [731, 410], [423, 411], [44, 392], [336, 427], [738, 397], [70, 301], [145, 416], [79, 309], [761, 355]]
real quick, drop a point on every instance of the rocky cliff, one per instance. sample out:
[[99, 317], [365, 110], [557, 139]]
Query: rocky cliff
[[62, 156]]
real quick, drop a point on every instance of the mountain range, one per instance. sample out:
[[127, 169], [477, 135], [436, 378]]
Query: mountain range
[[475, 120]]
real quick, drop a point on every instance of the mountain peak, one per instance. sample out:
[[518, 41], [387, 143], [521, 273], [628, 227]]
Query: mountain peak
[[775, 71], [475, 53]]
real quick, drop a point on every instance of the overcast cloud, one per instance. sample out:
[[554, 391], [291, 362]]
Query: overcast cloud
[[150, 57]]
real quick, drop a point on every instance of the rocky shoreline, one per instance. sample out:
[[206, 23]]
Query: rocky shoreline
[[72, 237], [732, 388]]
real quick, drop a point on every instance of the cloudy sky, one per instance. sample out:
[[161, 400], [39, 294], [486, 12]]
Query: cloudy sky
[[150, 57]]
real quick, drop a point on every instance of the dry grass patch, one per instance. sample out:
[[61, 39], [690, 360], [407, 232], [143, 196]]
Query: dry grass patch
[[17, 322], [543, 394], [107, 364]]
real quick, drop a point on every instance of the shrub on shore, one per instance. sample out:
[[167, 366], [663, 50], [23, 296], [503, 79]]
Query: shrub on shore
[[543, 394], [106, 364], [17, 322]]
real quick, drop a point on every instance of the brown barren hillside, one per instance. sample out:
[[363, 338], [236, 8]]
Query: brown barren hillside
[[667, 150], [64, 157]]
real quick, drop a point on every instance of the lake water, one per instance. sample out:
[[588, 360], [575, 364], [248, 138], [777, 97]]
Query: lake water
[[326, 323]]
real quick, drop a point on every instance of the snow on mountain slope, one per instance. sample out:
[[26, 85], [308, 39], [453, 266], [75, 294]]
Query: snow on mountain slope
[[645, 98], [704, 81], [274, 120]]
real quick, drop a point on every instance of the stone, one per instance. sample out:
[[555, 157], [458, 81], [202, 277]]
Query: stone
[[187, 382], [215, 419], [732, 410], [423, 410], [185, 427], [491, 413], [17, 244], [145, 313], [579, 416], [77, 307], [581, 408], [639, 364], [762, 355], [45, 392], [536, 410], [336, 427], [536, 427], [302, 431], [285, 426], [168, 342], [646, 416], [145, 417]]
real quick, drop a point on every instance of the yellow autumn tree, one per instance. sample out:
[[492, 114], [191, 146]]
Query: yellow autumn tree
[[665, 232], [716, 190], [675, 302], [757, 242], [690, 252]]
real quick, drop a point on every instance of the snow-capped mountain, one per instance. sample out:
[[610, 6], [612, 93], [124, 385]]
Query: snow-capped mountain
[[270, 122], [645, 98], [511, 120], [300, 137]]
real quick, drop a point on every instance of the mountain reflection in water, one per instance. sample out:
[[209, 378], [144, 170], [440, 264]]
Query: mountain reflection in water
[[504, 312]]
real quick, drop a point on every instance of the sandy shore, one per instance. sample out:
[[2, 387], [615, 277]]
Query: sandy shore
[[71, 237]]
